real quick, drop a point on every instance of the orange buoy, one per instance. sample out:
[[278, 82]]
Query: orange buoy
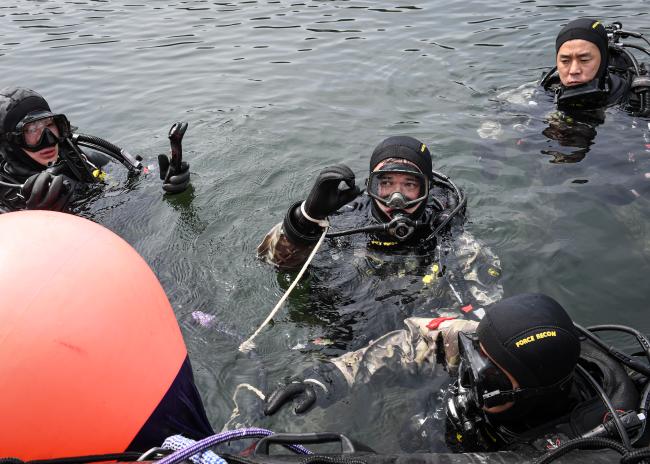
[[89, 343]]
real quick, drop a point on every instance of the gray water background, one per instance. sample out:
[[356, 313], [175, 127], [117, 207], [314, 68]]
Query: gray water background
[[276, 90]]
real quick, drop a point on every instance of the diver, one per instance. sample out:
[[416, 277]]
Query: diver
[[525, 378], [595, 69], [42, 165], [396, 249]]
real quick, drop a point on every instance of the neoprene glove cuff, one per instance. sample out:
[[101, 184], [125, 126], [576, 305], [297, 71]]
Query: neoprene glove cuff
[[298, 229]]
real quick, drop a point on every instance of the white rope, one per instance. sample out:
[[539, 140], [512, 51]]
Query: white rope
[[235, 412], [320, 222], [248, 344]]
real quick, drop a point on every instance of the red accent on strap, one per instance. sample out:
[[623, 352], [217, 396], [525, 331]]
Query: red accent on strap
[[467, 308], [435, 323]]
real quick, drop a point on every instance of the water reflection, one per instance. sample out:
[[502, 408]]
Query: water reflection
[[578, 134]]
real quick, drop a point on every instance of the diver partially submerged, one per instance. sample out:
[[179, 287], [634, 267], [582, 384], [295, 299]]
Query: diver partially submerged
[[397, 249], [525, 377], [42, 164], [595, 69]]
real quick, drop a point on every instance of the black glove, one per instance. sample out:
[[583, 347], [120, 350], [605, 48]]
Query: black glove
[[326, 196], [305, 393], [175, 173], [47, 191]]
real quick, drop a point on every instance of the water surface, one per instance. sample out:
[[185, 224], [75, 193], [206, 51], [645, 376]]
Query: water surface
[[276, 90]]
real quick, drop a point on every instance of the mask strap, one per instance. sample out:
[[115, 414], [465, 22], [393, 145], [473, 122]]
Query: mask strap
[[497, 397]]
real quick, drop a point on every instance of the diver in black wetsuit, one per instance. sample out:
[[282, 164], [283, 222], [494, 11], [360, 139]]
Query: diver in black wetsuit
[[524, 379], [42, 165], [397, 250], [594, 69]]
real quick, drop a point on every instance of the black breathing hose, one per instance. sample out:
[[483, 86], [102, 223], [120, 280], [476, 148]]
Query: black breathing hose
[[642, 339], [622, 357], [636, 35], [132, 163], [635, 456], [632, 58], [360, 230], [462, 202], [636, 47], [643, 409], [603, 396], [10, 185]]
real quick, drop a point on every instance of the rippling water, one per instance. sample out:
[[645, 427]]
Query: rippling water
[[276, 90]]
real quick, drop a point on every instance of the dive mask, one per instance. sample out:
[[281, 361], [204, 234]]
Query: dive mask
[[483, 380], [39, 130], [487, 385], [398, 186], [587, 96]]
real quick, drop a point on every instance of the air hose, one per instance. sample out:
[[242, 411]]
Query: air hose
[[622, 357], [132, 163], [10, 185]]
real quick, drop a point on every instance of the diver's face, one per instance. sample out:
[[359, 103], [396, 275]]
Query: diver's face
[[501, 407], [32, 133], [392, 182], [577, 62]]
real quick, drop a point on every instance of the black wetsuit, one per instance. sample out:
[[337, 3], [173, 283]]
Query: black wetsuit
[[17, 172], [361, 286]]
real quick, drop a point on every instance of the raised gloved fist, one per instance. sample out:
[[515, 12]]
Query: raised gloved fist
[[47, 191], [304, 393], [328, 195], [174, 172]]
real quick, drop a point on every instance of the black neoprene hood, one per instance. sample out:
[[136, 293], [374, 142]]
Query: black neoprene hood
[[16, 103], [532, 337], [403, 147], [590, 30]]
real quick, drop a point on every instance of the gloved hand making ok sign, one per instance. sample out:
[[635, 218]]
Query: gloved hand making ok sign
[[334, 187], [175, 173]]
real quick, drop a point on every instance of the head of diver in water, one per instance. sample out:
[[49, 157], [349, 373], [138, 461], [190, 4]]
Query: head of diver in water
[[31, 131], [582, 59], [398, 183], [513, 365]]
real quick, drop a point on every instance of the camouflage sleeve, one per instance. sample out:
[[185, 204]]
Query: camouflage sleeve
[[278, 250], [412, 349], [448, 336], [480, 269]]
